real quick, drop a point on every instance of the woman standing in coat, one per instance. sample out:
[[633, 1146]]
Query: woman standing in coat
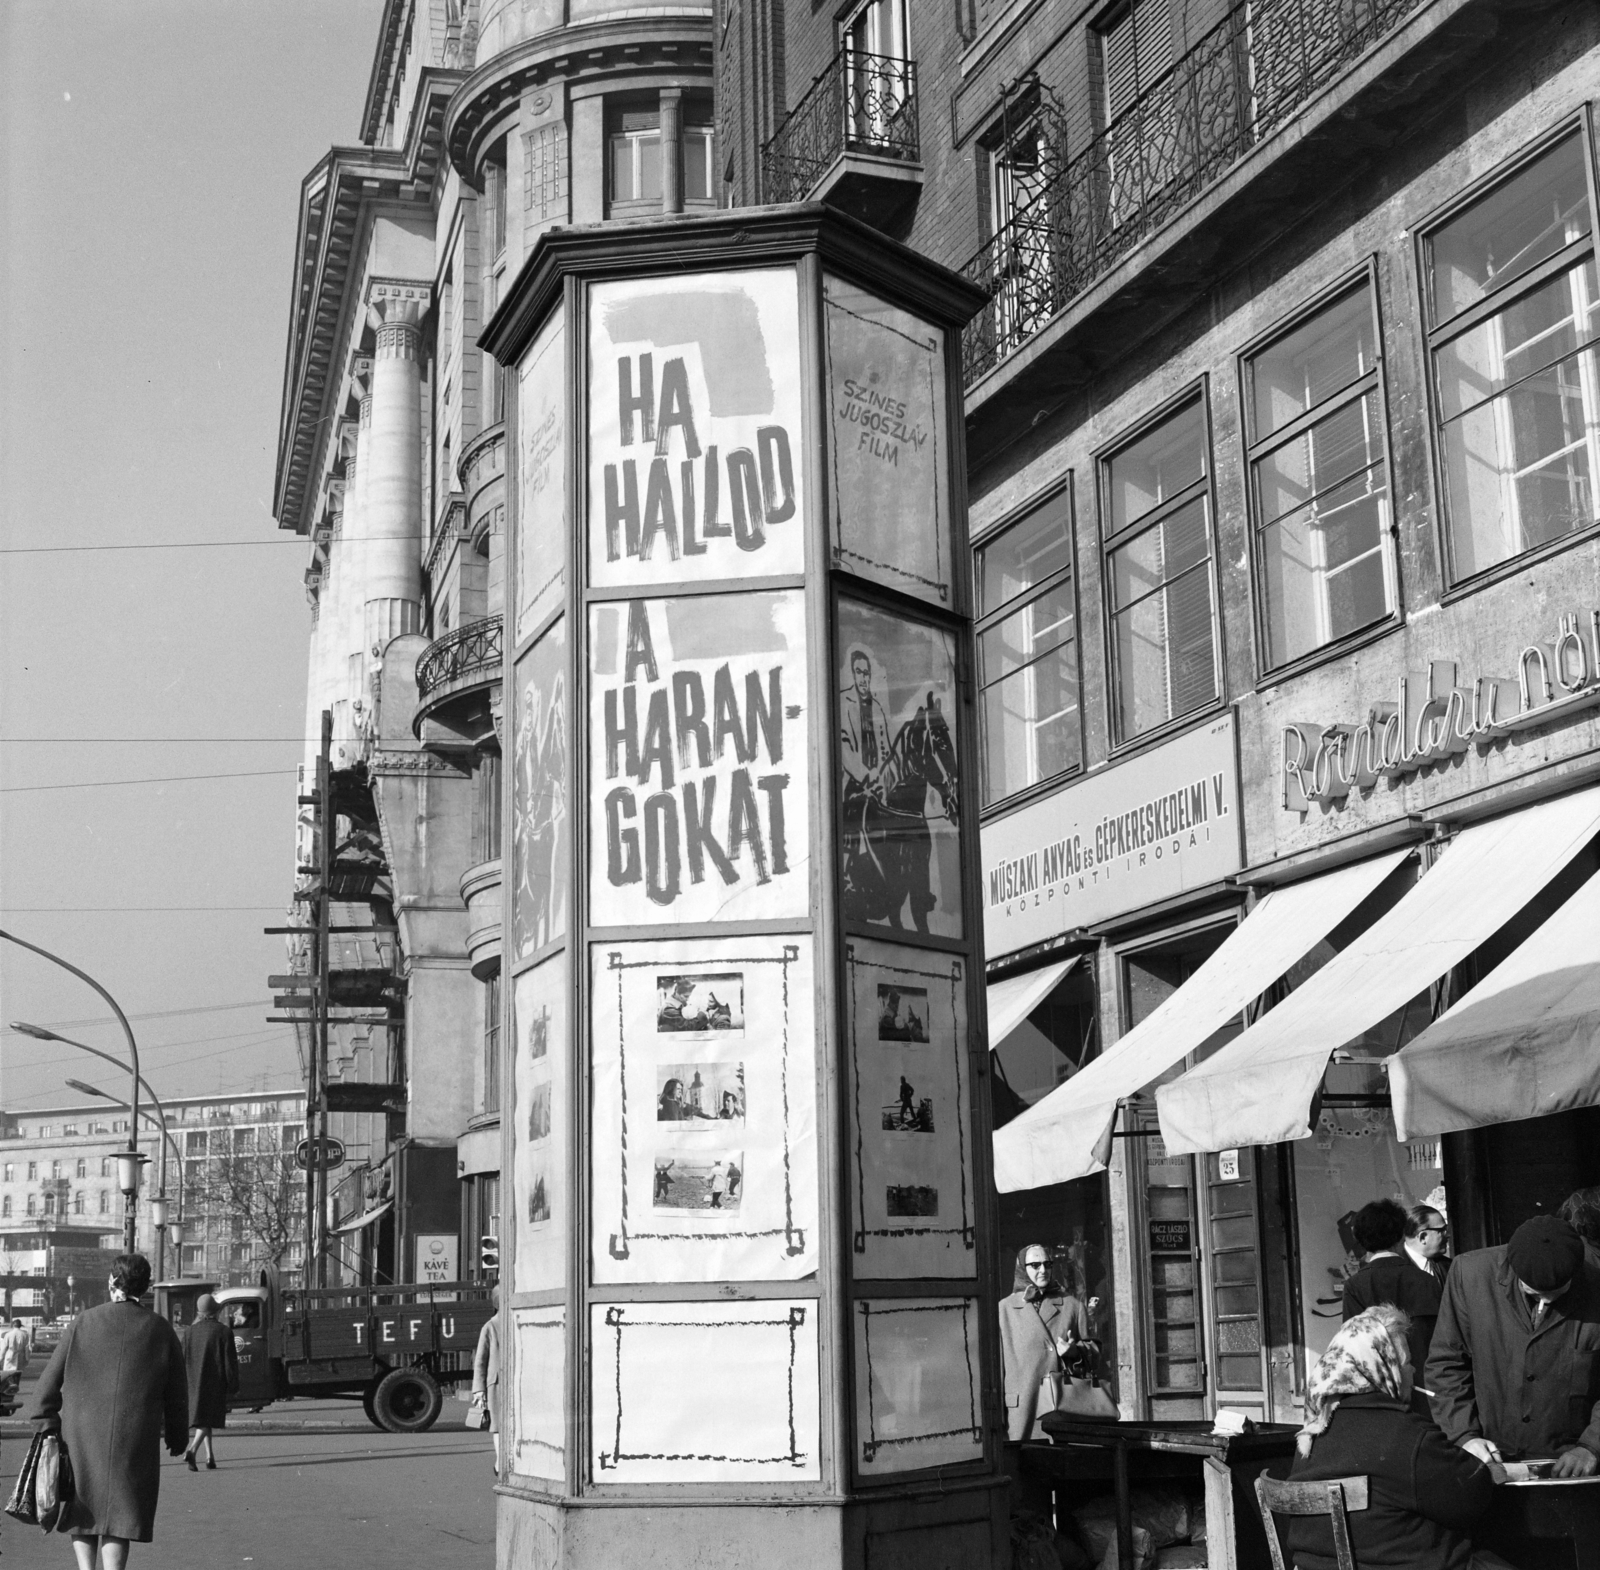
[[115, 1385], [212, 1364], [486, 1372], [1038, 1322]]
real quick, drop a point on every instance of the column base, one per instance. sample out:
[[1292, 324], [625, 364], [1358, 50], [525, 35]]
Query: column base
[[963, 1527]]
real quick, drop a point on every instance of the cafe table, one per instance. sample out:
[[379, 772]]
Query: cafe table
[[1528, 1518], [1087, 1450]]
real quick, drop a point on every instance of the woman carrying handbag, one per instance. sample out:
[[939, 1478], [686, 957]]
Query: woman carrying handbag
[[1039, 1323]]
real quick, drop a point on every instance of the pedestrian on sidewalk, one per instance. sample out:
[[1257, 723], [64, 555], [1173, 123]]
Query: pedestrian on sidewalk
[[486, 1373], [113, 1389], [14, 1347], [212, 1364]]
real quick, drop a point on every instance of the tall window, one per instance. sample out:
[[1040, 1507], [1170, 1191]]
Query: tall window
[[33, 1170], [1158, 574], [77, 1203], [83, 1167], [699, 154], [1136, 50], [491, 1043], [1028, 651], [5, 1206], [635, 147], [11, 1171], [33, 1204], [1319, 480], [1514, 314], [877, 81], [106, 1161], [1025, 155], [105, 1202]]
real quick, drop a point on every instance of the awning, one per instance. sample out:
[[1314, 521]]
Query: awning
[[1523, 1043], [1011, 1001], [365, 1219], [1259, 1089], [1068, 1134]]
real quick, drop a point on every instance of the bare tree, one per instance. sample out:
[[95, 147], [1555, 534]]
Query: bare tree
[[261, 1192]]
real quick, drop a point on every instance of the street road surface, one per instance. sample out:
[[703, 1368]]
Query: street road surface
[[358, 1500]]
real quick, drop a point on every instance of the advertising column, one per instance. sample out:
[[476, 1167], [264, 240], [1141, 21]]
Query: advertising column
[[743, 1140]]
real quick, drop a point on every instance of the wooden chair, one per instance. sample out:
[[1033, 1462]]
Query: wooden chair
[[1331, 1497]]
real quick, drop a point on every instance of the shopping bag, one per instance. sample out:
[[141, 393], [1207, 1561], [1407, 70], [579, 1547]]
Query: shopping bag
[[21, 1504], [54, 1486], [478, 1413]]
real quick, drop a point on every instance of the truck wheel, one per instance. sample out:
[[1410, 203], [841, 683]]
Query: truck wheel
[[369, 1398], [407, 1400]]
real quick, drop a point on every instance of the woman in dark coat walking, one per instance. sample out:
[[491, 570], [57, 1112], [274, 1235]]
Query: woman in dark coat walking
[[115, 1386], [212, 1364]]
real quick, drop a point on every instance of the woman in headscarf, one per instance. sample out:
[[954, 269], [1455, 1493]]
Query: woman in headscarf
[[114, 1390], [1424, 1493], [1038, 1322], [212, 1363]]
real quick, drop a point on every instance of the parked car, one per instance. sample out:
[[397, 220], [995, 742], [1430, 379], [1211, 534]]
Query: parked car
[[47, 1334]]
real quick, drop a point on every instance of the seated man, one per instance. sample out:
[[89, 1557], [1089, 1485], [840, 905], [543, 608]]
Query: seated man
[[1391, 1276], [1513, 1368]]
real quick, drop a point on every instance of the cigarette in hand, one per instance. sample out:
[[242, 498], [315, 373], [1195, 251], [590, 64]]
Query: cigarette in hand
[[1419, 1389]]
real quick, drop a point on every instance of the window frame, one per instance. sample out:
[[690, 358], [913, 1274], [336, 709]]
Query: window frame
[[1121, 746], [1066, 484], [1437, 334], [1255, 448]]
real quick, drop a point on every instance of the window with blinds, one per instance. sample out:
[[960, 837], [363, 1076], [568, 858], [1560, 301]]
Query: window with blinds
[[1136, 48], [1159, 574]]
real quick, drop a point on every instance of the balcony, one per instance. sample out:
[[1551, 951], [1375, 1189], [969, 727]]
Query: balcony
[[455, 674], [851, 141]]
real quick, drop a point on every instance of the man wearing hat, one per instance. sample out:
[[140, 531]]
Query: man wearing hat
[[1515, 1363]]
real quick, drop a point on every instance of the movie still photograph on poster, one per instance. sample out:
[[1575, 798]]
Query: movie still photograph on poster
[[705, 1007], [700, 1097], [684, 1181], [695, 454], [888, 457], [906, 1110], [698, 757], [703, 1150], [539, 856], [538, 1069], [910, 1104], [902, 1013], [899, 775]]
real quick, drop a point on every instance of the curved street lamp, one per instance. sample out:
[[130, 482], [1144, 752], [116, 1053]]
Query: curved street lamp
[[133, 1053]]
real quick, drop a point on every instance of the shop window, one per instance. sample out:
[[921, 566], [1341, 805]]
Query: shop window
[[1156, 511], [1028, 652], [635, 160], [1319, 481], [1514, 315]]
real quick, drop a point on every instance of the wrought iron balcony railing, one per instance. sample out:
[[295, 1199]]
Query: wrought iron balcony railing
[[1243, 81], [472, 650], [859, 103]]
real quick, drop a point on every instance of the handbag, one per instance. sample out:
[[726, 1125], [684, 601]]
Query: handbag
[[1081, 1395], [54, 1488], [21, 1503], [478, 1412]]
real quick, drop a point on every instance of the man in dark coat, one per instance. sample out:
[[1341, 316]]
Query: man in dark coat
[[212, 1364], [1390, 1276], [114, 1388], [1515, 1365]]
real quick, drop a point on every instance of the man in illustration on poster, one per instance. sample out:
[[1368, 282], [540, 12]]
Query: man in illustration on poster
[[888, 850]]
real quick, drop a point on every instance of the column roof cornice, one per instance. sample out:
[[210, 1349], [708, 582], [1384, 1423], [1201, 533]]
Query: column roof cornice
[[611, 47], [338, 201]]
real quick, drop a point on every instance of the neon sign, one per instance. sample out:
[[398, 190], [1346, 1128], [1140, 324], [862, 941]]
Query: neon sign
[[1433, 718]]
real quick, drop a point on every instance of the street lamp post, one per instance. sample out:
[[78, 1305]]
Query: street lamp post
[[158, 1118], [133, 1054]]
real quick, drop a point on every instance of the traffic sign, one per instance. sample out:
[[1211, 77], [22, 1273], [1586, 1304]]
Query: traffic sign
[[332, 1154]]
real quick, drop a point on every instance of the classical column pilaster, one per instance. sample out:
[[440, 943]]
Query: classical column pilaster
[[391, 500], [672, 149]]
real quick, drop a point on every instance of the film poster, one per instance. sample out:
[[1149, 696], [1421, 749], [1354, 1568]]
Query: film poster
[[539, 1125], [698, 756], [541, 478], [539, 831], [695, 449], [918, 1400], [539, 1438], [910, 1110], [899, 775], [703, 1136], [888, 462]]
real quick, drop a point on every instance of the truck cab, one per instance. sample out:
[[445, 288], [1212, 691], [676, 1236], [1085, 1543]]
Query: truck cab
[[247, 1312]]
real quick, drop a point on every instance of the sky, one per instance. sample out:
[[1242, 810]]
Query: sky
[[152, 160]]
